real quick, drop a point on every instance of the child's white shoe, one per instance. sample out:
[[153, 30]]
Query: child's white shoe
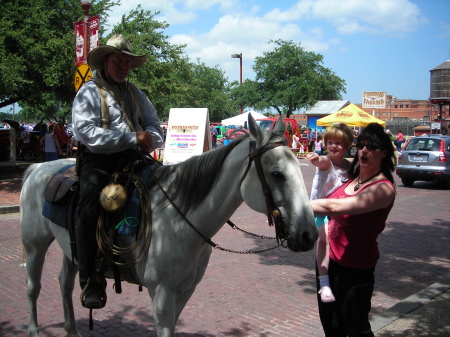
[[326, 295]]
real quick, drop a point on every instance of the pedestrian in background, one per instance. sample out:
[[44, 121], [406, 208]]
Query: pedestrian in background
[[24, 138], [295, 141], [50, 144], [310, 140], [318, 145], [213, 136], [399, 140], [358, 211]]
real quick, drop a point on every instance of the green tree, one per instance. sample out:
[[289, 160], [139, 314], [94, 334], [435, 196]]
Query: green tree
[[168, 78], [289, 79], [37, 49], [209, 88], [37, 60], [164, 76]]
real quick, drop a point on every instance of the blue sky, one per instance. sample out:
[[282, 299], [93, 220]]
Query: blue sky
[[376, 45]]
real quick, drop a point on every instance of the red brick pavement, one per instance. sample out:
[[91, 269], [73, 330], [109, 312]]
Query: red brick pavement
[[268, 294]]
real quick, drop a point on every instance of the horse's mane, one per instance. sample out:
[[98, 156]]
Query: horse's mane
[[193, 179]]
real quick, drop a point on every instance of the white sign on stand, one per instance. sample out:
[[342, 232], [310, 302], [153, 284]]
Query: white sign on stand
[[187, 134]]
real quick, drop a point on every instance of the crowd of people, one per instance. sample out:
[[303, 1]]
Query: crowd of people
[[42, 143]]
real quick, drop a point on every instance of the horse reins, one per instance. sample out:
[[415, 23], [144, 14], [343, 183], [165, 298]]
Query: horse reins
[[273, 212]]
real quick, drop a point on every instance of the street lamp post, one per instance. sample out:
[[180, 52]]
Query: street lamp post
[[390, 106], [239, 56], [86, 6]]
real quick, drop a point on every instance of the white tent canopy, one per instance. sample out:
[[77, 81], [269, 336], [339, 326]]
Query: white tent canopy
[[239, 120]]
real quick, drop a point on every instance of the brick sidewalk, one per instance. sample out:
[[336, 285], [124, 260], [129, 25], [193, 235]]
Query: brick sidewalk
[[268, 294]]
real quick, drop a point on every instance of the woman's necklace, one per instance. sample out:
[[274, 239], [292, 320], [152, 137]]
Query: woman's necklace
[[358, 185]]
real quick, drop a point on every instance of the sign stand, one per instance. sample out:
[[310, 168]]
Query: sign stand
[[187, 134]]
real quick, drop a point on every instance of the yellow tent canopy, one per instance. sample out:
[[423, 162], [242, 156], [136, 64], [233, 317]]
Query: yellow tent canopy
[[350, 115]]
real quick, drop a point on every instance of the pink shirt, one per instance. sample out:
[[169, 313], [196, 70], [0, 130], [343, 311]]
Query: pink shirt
[[353, 238]]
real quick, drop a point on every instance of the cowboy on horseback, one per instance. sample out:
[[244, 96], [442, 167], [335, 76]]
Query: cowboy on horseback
[[113, 120]]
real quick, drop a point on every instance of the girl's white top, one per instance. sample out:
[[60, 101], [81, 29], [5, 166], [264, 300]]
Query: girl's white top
[[326, 182]]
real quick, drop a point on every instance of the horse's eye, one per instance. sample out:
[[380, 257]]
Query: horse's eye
[[278, 175]]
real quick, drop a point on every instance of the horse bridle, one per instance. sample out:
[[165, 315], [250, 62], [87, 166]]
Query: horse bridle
[[273, 212]]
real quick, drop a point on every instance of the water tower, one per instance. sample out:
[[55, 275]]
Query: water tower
[[440, 98]]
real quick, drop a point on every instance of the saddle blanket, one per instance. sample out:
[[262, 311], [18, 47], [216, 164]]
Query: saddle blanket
[[129, 217]]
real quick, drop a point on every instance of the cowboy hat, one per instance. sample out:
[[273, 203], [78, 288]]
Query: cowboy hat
[[116, 44]]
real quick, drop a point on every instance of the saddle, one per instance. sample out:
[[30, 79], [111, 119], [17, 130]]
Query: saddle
[[61, 184], [60, 206]]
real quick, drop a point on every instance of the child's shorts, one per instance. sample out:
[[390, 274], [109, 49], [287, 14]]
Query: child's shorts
[[320, 220]]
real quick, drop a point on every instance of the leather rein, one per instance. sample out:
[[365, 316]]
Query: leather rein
[[273, 212]]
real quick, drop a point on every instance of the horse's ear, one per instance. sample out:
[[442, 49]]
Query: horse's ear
[[254, 130], [280, 127]]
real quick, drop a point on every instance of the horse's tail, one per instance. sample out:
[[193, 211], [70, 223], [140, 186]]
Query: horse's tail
[[29, 170]]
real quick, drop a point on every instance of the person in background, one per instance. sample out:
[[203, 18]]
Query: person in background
[[358, 211], [331, 173], [50, 144], [399, 140], [24, 137], [295, 141], [318, 145], [114, 123], [310, 140], [355, 136], [213, 132], [289, 133]]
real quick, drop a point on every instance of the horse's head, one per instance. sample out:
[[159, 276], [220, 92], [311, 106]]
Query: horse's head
[[278, 189]]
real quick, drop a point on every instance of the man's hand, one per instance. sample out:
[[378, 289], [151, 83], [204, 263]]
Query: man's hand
[[144, 141]]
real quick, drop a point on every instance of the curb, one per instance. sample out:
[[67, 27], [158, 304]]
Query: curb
[[9, 209], [408, 304]]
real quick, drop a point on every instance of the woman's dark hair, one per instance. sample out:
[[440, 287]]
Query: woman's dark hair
[[374, 134]]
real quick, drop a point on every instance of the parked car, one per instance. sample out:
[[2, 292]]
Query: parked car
[[425, 158]]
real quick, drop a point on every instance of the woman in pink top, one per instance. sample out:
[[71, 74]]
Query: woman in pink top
[[358, 211], [399, 140]]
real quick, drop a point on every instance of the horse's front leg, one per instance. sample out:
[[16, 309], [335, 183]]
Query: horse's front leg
[[164, 304], [66, 283]]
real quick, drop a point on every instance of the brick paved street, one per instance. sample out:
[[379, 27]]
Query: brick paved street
[[268, 294]]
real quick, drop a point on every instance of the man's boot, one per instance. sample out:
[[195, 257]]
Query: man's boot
[[93, 284]]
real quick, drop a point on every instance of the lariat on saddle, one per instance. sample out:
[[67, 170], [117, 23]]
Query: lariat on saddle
[[115, 199]]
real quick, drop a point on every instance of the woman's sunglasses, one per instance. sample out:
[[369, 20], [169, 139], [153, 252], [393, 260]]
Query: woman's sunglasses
[[370, 147]]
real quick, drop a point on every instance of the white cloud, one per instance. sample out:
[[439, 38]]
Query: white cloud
[[375, 16], [445, 26]]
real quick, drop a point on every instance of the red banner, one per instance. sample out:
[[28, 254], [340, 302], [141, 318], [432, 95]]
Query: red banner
[[79, 43], [93, 24]]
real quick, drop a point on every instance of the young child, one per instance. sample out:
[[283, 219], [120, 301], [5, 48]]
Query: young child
[[331, 172]]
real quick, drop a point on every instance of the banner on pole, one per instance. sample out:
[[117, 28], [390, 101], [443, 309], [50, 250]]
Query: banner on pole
[[93, 24], [79, 43]]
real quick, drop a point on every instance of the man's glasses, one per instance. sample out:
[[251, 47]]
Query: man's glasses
[[370, 147]]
